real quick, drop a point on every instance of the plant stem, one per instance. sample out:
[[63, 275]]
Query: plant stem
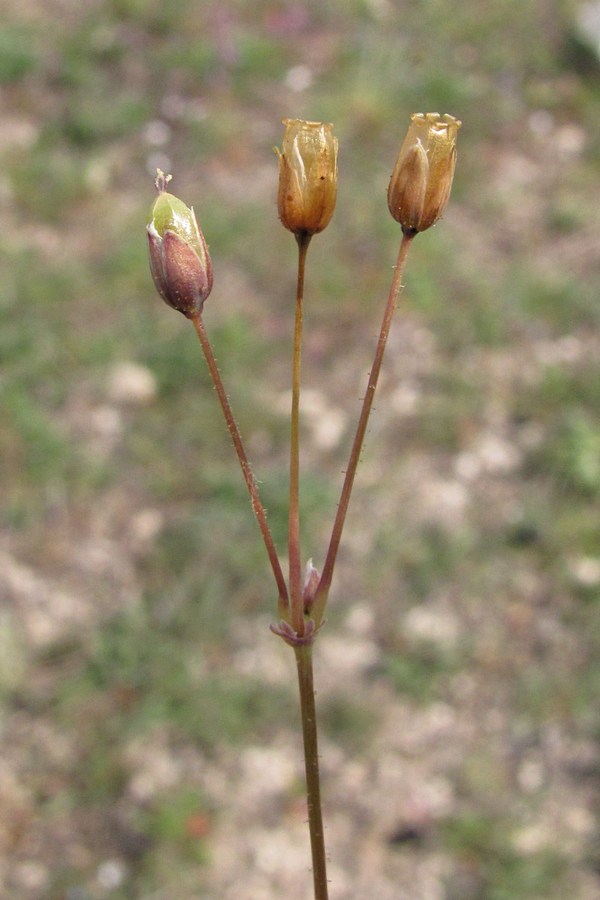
[[336, 534], [257, 506], [294, 506], [311, 763]]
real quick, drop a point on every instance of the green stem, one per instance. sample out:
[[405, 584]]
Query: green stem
[[257, 506], [294, 506], [338, 526], [311, 762]]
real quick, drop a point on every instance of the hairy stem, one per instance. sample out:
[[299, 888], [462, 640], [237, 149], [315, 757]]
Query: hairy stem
[[311, 762], [338, 526], [294, 507], [257, 506]]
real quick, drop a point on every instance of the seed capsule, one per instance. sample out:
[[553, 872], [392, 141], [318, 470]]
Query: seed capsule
[[179, 259], [307, 176], [422, 177]]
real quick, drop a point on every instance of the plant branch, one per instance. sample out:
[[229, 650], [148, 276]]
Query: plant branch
[[338, 526], [294, 552], [257, 506]]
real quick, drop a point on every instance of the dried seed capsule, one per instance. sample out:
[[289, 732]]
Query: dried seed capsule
[[307, 176], [422, 177]]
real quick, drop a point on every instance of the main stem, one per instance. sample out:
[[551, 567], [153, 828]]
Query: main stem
[[336, 534], [311, 762], [295, 559], [257, 506]]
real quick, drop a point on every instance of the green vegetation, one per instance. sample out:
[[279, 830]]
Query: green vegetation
[[138, 592]]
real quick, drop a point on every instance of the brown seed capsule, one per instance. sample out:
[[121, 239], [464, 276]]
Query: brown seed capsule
[[179, 259], [422, 177], [307, 176]]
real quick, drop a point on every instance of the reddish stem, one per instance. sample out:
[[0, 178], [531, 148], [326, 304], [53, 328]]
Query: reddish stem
[[294, 551], [257, 506], [338, 525], [311, 762]]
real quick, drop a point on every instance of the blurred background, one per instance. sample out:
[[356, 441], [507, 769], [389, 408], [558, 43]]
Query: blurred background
[[151, 744]]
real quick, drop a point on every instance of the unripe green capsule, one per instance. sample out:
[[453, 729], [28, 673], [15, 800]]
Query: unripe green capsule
[[179, 259]]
